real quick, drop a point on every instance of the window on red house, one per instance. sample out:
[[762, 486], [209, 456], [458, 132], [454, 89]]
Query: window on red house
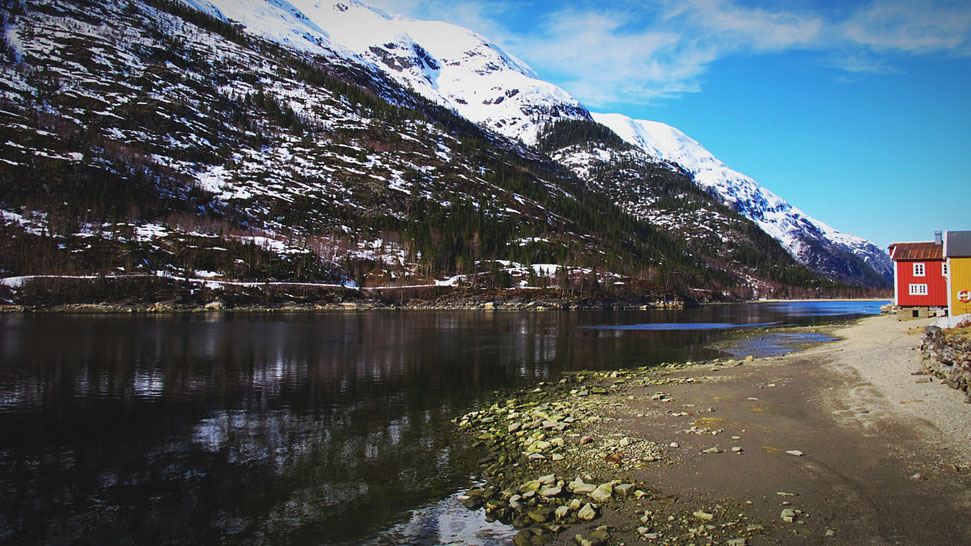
[[919, 270], [918, 290]]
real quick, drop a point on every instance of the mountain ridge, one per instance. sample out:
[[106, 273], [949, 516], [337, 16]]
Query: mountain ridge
[[394, 44], [148, 140]]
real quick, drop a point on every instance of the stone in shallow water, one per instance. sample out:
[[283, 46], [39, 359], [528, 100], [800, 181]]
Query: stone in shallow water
[[539, 516], [532, 485]]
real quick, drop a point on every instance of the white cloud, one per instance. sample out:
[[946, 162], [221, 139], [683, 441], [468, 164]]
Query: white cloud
[[733, 26], [912, 26], [861, 63]]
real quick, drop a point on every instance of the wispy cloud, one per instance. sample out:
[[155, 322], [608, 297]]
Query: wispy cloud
[[636, 51], [917, 27], [861, 63], [733, 27]]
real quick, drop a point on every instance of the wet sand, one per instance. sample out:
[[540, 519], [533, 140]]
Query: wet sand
[[885, 454]]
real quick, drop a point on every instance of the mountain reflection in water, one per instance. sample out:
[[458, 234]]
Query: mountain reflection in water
[[301, 428]]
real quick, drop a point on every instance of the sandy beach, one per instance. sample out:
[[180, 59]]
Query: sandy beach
[[885, 453], [838, 443]]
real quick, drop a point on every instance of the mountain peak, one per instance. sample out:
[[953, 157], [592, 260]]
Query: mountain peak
[[447, 64], [803, 236]]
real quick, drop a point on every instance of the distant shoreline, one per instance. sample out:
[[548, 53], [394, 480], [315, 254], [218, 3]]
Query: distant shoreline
[[805, 300], [498, 302]]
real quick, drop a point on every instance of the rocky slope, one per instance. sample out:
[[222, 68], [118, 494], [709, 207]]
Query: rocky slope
[[457, 68], [150, 138], [824, 249]]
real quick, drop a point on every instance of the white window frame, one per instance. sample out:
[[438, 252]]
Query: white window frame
[[944, 269], [918, 289], [920, 269]]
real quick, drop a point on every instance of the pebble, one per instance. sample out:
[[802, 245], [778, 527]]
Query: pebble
[[602, 493], [736, 449], [587, 513], [674, 445], [701, 514], [788, 515], [713, 450], [580, 488], [551, 492], [624, 489], [795, 452]]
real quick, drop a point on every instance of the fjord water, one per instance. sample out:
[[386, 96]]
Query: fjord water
[[305, 428]]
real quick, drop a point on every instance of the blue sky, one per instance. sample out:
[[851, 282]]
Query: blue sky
[[858, 113]]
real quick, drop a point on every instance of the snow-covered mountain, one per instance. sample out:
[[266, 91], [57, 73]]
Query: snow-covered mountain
[[457, 68], [803, 236], [449, 65]]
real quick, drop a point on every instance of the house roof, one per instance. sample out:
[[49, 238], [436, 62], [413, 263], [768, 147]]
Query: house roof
[[957, 244], [924, 250]]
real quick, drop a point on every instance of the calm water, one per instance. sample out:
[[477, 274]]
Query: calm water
[[302, 428]]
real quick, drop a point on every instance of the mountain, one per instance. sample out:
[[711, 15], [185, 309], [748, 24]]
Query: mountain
[[666, 196], [447, 64], [459, 69], [156, 149], [825, 250]]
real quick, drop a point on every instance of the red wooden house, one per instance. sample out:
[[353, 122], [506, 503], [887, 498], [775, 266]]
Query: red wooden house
[[920, 274]]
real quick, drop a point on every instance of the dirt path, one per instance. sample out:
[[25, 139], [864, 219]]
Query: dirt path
[[884, 454]]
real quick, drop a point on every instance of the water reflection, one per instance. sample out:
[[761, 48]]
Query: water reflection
[[274, 428], [683, 326]]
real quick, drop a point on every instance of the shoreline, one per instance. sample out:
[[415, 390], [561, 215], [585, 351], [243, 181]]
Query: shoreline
[[837, 442], [465, 304]]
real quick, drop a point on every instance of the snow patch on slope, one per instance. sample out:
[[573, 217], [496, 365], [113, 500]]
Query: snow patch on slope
[[447, 64]]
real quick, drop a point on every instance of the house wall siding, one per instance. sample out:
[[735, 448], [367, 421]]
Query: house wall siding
[[933, 277], [960, 270]]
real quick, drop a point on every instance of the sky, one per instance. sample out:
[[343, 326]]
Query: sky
[[857, 113]]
